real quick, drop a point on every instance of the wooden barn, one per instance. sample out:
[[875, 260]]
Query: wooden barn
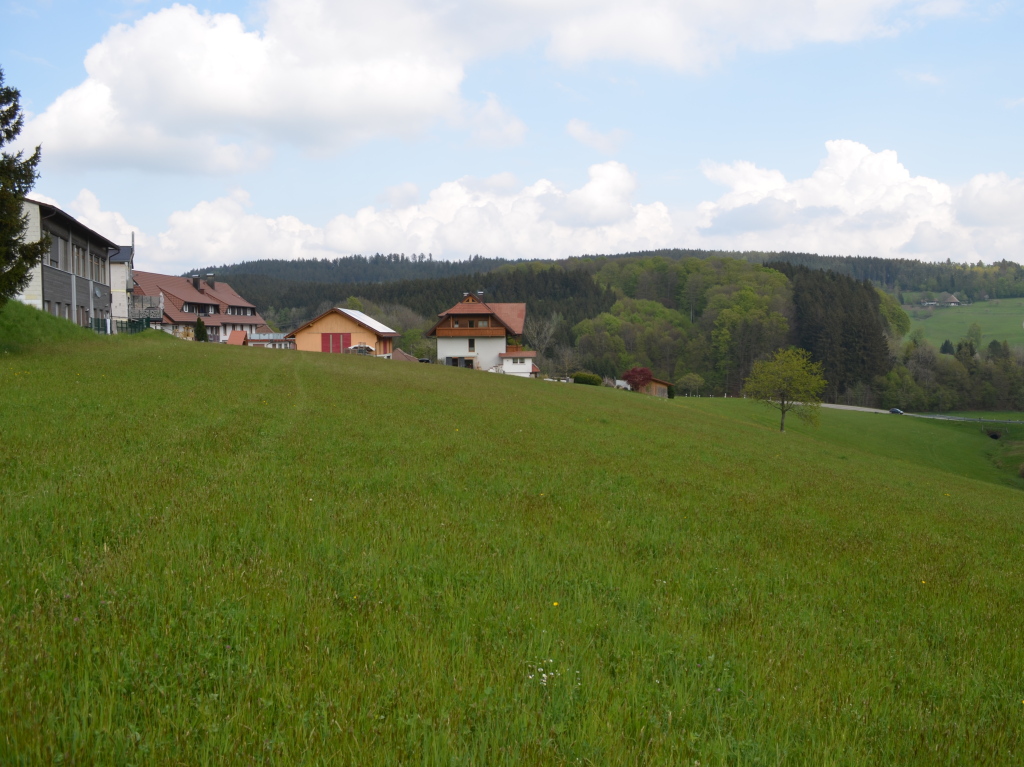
[[344, 331]]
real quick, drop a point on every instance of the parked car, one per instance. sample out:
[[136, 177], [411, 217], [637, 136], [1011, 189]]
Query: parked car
[[895, 411]]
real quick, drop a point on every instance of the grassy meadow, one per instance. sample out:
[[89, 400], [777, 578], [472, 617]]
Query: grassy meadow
[[214, 555], [1000, 320]]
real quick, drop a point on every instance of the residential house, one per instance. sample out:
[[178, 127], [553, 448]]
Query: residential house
[[475, 334], [185, 300], [73, 279], [347, 331]]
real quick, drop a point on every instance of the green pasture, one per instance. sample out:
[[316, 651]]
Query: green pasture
[[1000, 320], [214, 555]]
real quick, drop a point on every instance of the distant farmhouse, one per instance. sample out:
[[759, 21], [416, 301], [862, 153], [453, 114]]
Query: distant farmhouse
[[474, 334], [344, 331], [73, 280]]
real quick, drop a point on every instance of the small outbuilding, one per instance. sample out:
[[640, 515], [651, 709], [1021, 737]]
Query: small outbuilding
[[656, 388], [238, 338], [344, 331]]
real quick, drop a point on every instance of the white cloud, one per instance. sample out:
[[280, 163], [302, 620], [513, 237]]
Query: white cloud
[[112, 225], [860, 202], [857, 202], [493, 216], [493, 126], [922, 77], [606, 143], [194, 91]]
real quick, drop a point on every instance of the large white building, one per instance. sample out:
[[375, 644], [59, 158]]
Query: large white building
[[484, 336], [73, 279]]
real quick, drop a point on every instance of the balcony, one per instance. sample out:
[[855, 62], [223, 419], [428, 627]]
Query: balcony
[[470, 332]]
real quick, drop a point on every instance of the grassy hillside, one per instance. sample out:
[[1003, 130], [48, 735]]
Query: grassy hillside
[[230, 555], [1001, 320]]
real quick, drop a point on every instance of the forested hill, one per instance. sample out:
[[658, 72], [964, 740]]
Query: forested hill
[[1004, 279], [376, 268], [548, 289]]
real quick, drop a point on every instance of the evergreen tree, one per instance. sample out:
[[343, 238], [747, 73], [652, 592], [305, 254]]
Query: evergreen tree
[[947, 347], [201, 334], [17, 177]]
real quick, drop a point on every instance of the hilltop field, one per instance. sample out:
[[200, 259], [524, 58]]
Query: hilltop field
[[1001, 319], [214, 555]]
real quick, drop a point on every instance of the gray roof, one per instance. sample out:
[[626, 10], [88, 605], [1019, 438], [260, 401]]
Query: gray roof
[[123, 255]]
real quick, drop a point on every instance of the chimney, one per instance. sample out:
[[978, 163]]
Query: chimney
[[195, 281], [480, 295], [210, 282]]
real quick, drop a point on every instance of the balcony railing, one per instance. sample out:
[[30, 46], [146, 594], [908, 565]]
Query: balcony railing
[[470, 332]]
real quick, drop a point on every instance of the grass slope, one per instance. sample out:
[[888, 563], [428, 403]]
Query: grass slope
[[1001, 320], [229, 555]]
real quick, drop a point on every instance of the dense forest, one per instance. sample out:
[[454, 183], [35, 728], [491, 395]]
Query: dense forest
[[376, 268], [977, 282], [695, 315]]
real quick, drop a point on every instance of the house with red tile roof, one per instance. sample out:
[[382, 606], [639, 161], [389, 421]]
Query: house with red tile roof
[[186, 299], [483, 336]]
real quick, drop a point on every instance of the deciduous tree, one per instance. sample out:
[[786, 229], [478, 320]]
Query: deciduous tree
[[637, 378], [17, 177], [789, 381], [691, 382]]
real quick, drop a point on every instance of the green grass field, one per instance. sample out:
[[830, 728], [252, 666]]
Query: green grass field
[[214, 555], [1001, 320]]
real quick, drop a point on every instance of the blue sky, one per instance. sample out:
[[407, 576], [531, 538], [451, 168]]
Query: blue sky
[[229, 131]]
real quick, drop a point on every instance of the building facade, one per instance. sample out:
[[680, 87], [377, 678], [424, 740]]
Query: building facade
[[73, 279], [185, 300], [344, 331]]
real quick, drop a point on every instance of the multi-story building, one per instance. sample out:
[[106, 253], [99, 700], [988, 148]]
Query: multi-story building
[[483, 336], [73, 279], [184, 300]]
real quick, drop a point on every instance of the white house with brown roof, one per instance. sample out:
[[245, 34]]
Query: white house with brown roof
[[483, 336], [187, 299]]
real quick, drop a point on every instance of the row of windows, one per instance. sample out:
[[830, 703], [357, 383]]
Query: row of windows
[[481, 323], [76, 259], [81, 313], [206, 310]]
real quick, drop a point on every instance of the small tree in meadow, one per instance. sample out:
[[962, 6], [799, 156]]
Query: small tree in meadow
[[637, 378], [691, 382], [789, 381], [201, 334]]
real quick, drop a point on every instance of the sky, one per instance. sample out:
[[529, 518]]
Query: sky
[[230, 131]]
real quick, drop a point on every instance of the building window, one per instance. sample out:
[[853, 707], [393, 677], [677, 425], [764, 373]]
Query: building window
[[455, 323], [472, 344], [481, 323]]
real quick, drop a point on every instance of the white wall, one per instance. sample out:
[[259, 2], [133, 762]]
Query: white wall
[[33, 293], [486, 353], [517, 369]]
